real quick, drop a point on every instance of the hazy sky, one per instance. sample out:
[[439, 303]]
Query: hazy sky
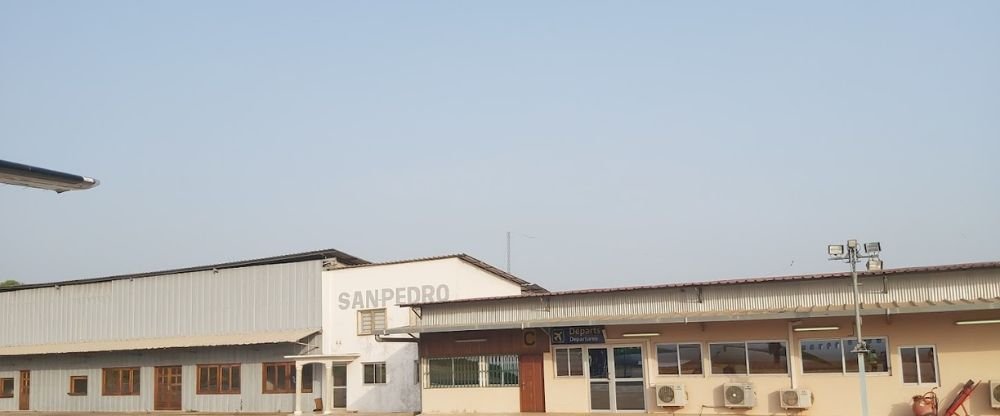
[[621, 142]]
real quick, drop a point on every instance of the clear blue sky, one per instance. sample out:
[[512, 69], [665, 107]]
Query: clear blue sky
[[633, 142]]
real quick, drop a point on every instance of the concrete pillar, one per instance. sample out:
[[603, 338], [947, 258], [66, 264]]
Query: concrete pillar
[[328, 387], [298, 388]]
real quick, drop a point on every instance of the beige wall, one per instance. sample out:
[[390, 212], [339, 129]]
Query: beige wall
[[472, 400], [964, 352]]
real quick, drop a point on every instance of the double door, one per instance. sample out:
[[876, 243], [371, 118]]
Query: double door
[[616, 378]]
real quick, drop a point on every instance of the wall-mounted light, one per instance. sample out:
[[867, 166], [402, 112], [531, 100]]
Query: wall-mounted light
[[815, 328], [470, 340], [978, 322], [640, 334]]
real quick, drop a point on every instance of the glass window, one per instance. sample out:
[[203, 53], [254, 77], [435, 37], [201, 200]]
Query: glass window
[[371, 321], [280, 377], [822, 356], [218, 379], [598, 362], [877, 359], [600, 395], [728, 358], [502, 370], [78, 385], [569, 362], [121, 381], [675, 359], [919, 365], [440, 372], [628, 362], [6, 387], [767, 357], [374, 373]]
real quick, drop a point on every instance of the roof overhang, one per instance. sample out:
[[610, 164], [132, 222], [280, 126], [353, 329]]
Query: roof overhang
[[255, 338], [695, 317]]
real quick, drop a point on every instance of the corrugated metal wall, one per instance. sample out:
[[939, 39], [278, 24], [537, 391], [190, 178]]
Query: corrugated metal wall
[[771, 296], [248, 299], [50, 379]]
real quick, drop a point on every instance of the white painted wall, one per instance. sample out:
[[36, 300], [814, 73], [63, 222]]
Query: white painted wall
[[387, 286]]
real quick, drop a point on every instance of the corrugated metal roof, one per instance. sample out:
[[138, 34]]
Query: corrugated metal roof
[[158, 343], [712, 316], [526, 287], [902, 270], [287, 258]]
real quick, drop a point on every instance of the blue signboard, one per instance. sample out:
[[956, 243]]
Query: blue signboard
[[578, 335]]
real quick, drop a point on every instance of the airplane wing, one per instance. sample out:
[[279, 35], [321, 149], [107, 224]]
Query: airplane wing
[[34, 177]]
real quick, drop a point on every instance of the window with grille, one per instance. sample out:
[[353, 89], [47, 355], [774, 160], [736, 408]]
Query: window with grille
[[218, 379], [121, 381], [371, 321], [476, 371]]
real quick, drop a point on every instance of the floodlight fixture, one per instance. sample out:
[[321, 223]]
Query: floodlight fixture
[[874, 265], [873, 247], [835, 249], [852, 243]]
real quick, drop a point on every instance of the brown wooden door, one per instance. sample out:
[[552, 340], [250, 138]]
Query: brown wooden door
[[167, 390], [532, 383], [25, 391]]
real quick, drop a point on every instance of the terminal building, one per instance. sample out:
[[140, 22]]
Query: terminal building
[[265, 335], [760, 346]]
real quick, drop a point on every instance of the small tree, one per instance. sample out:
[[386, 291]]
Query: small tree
[[10, 283]]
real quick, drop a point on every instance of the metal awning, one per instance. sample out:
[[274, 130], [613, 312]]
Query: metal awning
[[253, 338], [881, 308]]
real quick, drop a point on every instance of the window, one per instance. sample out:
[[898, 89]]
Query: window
[[374, 373], [677, 359], [6, 387], [218, 379], [371, 321], [78, 385], [121, 381], [481, 371], [919, 365], [569, 362], [767, 357], [835, 356], [280, 377]]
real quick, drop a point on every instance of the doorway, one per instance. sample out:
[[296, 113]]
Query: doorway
[[532, 376], [339, 386], [167, 388], [23, 397], [617, 379]]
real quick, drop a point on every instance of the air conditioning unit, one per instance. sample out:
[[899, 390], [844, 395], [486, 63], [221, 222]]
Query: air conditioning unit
[[795, 398], [739, 395], [671, 395], [995, 393]]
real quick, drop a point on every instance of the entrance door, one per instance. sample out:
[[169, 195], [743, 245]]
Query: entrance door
[[167, 388], [25, 391], [339, 386], [531, 374], [616, 379]]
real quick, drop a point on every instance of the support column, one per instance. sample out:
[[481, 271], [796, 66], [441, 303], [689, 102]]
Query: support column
[[328, 387], [298, 388]]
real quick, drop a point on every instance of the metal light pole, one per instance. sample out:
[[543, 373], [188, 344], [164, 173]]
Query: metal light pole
[[852, 256]]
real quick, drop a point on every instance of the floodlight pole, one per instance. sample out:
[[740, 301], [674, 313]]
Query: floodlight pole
[[861, 348]]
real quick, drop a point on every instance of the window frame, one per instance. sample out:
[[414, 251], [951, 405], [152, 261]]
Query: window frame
[[843, 356], [569, 365], [375, 365], [372, 311], [12, 387], [746, 358], [218, 368], [306, 388], [72, 386], [136, 373], [701, 357], [916, 352]]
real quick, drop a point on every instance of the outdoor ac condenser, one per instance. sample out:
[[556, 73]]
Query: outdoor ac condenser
[[739, 395], [795, 398], [671, 395]]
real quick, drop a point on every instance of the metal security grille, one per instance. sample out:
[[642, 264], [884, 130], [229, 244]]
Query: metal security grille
[[371, 321], [475, 371]]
